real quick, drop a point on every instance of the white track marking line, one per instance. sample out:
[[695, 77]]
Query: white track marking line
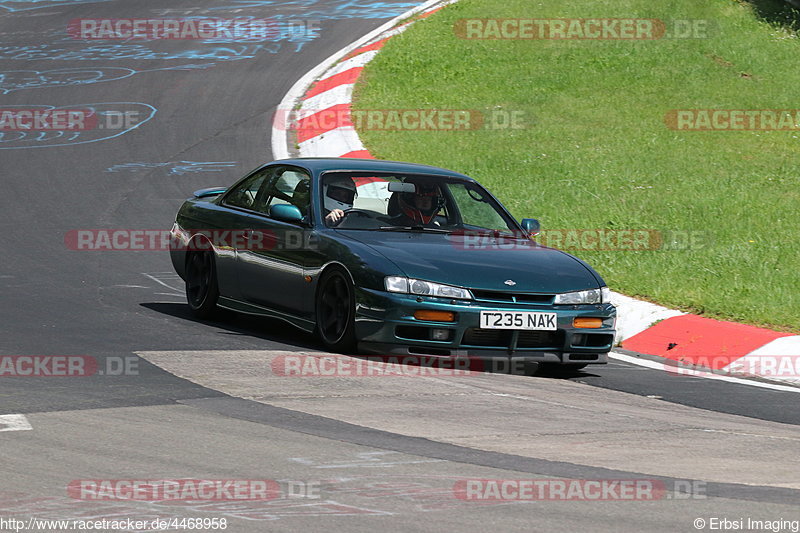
[[778, 360], [160, 282], [687, 372], [14, 423], [726, 432]]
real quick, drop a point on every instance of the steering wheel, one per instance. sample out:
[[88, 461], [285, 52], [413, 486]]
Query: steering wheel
[[359, 212]]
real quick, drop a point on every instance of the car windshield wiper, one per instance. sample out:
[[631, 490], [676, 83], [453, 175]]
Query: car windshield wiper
[[413, 228]]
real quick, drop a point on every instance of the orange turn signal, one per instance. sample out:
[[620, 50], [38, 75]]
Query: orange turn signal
[[583, 322], [436, 316]]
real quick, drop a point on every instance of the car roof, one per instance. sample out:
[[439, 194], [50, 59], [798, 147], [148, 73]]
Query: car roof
[[323, 164]]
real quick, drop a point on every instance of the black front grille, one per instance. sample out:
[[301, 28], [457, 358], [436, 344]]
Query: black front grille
[[539, 339], [593, 340], [497, 338], [512, 297], [412, 332], [420, 333], [501, 338]]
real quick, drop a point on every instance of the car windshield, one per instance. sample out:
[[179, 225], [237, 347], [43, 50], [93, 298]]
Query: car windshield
[[391, 202]]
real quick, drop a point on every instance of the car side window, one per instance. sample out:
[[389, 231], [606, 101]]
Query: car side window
[[476, 212], [245, 195], [290, 186]]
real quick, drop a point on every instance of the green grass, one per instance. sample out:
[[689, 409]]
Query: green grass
[[596, 152]]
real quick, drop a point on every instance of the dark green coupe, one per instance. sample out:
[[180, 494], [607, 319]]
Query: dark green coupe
[[390, 258]]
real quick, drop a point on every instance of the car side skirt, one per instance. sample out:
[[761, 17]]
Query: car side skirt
[[252, 309]]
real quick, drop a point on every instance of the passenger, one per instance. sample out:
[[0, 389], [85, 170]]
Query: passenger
[[419, 207]]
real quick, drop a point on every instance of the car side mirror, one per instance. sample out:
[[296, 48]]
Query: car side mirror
[[531, 226], [286, 213]]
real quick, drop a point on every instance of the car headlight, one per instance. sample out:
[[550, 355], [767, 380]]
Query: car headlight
[[425, 288], [606, 294], [591, 296]]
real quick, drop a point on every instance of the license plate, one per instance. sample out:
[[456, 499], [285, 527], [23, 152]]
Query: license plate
[[518, 320]]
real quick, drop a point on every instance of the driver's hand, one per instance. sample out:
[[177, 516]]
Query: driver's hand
[[334, 217]]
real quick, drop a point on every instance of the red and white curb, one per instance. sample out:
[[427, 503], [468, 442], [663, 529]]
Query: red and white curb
[[316, 111], [724, 347], [317, 107]]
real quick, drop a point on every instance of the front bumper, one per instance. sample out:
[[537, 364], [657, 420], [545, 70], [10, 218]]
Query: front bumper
[[385, 324]]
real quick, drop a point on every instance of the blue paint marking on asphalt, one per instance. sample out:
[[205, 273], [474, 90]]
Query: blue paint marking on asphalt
[[27, 5], [316, 9], [19, 80], [109, 116], [128, 51], [294, 29], [176, 168], [282, 29], [312, 8]]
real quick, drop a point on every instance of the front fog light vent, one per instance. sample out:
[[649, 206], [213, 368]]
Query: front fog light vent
[[438, 334]]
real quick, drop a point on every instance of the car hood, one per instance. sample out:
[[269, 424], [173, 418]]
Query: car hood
[[482, 263]]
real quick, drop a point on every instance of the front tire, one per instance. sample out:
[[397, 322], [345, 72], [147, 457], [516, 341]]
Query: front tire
[[335, 311], [202, 291]]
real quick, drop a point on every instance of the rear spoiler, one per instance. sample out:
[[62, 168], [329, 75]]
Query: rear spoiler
[[210, 191]]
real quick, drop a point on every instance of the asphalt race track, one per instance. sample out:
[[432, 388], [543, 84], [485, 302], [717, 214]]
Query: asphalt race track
[[197, 399]]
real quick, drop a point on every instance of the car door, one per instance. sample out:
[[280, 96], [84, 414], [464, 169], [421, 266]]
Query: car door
[[231, 222], [271, 260]]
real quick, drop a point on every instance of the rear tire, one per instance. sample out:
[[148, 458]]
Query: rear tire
[[202, 291], [335, 311]]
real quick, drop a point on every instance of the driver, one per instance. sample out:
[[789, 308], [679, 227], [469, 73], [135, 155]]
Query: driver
[[339, 193], [419, 207]]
